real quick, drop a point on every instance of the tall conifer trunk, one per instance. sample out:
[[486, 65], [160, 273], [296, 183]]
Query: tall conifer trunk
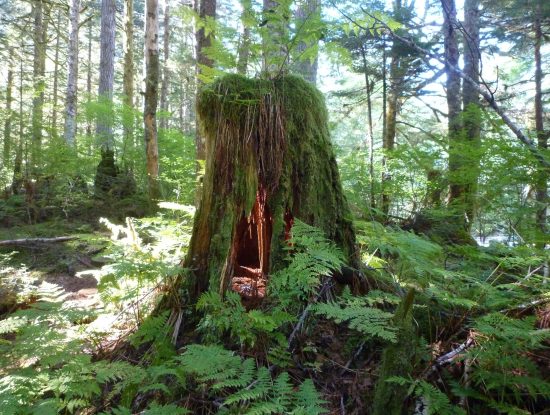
[[165, 67], [395, 90], [39, 67], [542, 137], [244, 44], [151, 97], [6, 154], [206, 9], [89, 85], [18, 162], [456, 148], [128, 81], [72, 76], [307, 10], [472, 109], [107, 170], [55, 93]]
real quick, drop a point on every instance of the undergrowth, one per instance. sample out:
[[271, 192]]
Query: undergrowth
[[303, 350]]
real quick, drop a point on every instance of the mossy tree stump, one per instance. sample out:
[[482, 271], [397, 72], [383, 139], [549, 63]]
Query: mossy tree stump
[[269, 160]]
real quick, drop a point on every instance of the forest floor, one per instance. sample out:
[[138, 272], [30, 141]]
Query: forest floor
[[55, 285]]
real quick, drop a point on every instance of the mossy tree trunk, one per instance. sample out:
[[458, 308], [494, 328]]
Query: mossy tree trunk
[[269, 160]]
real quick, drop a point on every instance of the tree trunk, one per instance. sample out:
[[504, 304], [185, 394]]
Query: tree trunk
[[487, 95], [456, 148], [39, 83], [244, 44], [9, 116], [165, 69], [264, 138], [104, 129], [205, 9], [18, 163], [128, 80], [72, 76], [307, 10], [370, 134], [542, 137], [275, 37], [89, 85], [107, 169], [151, 97], [392, 108], [472, 109], [56, 77]]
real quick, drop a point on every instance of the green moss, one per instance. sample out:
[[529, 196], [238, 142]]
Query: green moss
[[271, 134]]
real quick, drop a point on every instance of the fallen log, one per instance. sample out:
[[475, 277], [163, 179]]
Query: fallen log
[[35, 241]]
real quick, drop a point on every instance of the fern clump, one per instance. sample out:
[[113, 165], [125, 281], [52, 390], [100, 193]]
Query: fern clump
[[371, 322], [247, 388]]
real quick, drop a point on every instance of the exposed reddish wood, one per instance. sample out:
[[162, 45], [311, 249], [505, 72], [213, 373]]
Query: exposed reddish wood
[[251, 246]]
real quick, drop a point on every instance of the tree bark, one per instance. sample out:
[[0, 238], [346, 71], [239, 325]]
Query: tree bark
[[392, 108], [472, 108], [206, 9], [72, 76], [89, 85], [104, 129], [306, 10], [18, 163], [39, 83], [370, 134], [165, 68], [244, 44], [151, 97], [275, 37], [128, 80], [542, 137], [55, 94], [453, 93], [107, 169], [9, 115]]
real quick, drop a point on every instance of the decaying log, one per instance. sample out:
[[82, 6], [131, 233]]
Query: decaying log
[[36, 241]]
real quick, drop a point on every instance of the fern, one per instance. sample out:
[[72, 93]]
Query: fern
[[307, 400], [246, 388], [369, 321], [311, 256], [13, 324], [152, 329], [156, 409], [229, 315], [429, 399]]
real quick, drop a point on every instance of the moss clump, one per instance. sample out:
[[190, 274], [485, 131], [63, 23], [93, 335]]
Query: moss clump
[[264, 135]]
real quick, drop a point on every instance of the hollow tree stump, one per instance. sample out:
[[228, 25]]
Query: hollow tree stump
[[269, 160]]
